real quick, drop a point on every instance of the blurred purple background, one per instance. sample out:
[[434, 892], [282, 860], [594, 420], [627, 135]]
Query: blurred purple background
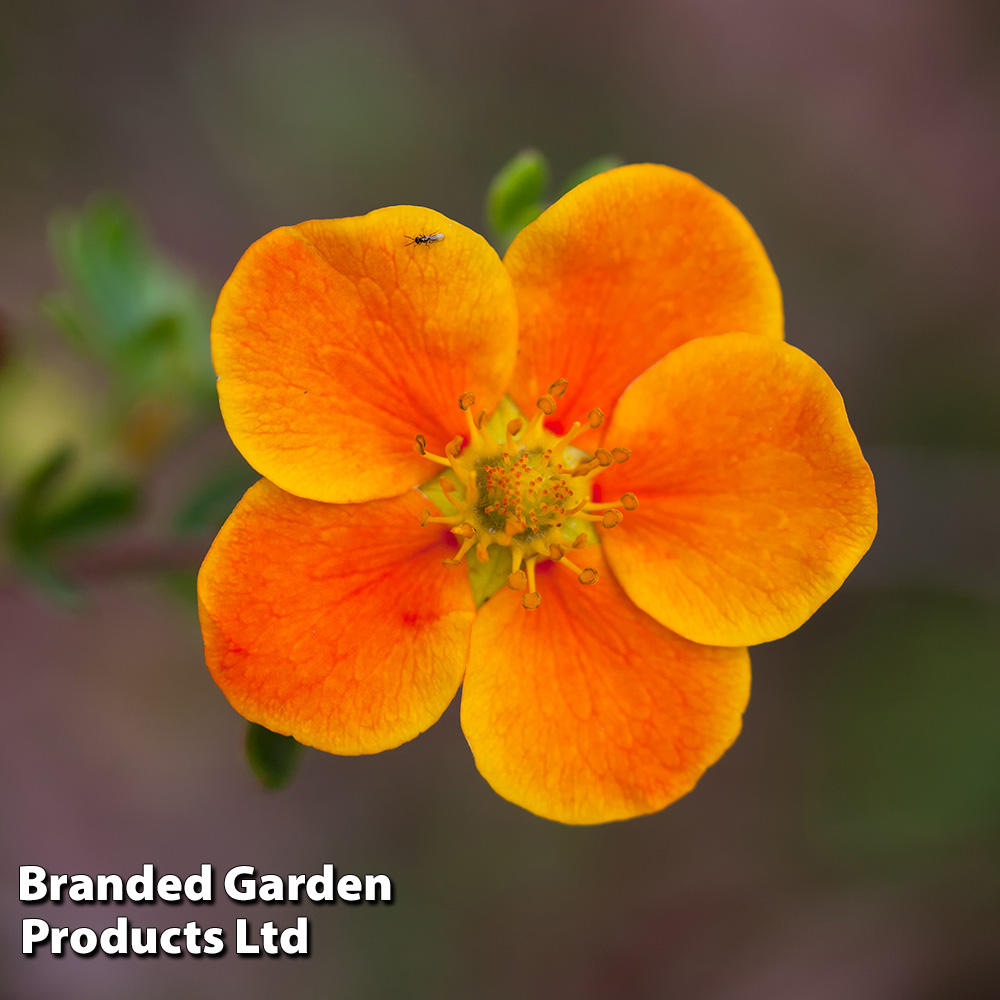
[[849, 844]]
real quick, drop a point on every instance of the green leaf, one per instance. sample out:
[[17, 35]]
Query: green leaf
[[213, 501], [44, 512], [22, 527], [126, 305], [906, 740], [516, 195], [95, 510], [592, 168], [274, 758]]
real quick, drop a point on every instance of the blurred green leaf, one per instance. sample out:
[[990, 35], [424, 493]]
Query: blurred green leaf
[[907, 741], [126, 305], [43, 512], [102, 506], [592, 168], [207, 508], [183, 584], [516, 195], [22, 527], [274, 758]]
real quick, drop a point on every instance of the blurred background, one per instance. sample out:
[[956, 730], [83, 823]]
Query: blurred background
[[849, 844]]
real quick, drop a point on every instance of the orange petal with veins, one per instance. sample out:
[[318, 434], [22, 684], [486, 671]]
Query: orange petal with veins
[[755, 502], [622, 270], [336, 624], [587, 710], [337, 342]]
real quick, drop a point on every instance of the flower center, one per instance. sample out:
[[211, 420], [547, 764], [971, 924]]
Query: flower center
[[530, 493]]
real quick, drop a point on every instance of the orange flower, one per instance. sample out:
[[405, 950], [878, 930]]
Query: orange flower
[[358, 364]]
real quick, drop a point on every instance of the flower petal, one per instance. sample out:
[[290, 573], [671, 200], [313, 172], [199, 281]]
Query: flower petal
[[623, 269], [334, 623], [587, 710], [755, 502], [337, 342]]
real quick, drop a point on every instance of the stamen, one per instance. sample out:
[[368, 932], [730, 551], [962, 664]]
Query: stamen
[[420, 447], [574, 432], [512, 428], [531, 600], [460, 554], [450, 519], [520, 493]]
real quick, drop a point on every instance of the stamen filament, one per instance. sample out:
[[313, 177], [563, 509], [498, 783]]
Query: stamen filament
[[531, 600], [519, 494]]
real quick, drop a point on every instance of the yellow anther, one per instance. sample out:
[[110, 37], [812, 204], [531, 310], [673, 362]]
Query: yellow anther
[[451, 562], [612, 518], [523, 492], [512, 428]]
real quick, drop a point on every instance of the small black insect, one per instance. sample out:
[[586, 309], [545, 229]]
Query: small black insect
[[433, 238]]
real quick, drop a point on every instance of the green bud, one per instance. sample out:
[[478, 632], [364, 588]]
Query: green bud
[[516, 195]]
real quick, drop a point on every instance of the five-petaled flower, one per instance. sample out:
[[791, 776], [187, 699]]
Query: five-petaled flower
[[666, 483]]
